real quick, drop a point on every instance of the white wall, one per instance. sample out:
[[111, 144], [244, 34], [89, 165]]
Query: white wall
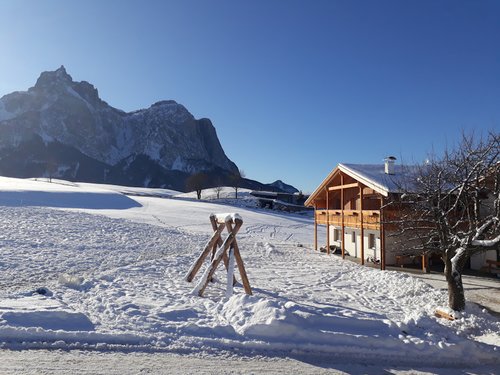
[[478, 261], [354, 248]]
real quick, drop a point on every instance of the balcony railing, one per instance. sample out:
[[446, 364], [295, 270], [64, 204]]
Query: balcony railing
[[352, 218]]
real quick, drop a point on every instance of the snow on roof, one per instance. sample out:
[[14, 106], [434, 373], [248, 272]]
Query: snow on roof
[[374, 176]]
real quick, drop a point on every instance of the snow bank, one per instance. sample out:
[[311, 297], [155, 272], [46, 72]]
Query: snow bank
[[38, 311], [295, 327], [47, 322]]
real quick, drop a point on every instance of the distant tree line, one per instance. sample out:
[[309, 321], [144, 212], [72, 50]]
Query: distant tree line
[[202, 180]]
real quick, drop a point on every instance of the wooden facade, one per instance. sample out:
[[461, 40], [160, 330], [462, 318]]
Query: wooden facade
[[345, 203], [360, 207]]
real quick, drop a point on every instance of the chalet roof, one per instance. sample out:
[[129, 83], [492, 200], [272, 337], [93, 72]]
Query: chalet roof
[[372, 176]]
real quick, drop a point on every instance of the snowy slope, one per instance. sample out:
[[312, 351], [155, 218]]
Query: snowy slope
[[109, 270]]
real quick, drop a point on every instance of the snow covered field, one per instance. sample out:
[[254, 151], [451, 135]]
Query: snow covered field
[[105, 272]]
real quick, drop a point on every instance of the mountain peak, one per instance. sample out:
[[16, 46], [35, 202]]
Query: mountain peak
[[64, 122], [176, 112], [164, 102], [61, 73], [50, 78], [284, 187]]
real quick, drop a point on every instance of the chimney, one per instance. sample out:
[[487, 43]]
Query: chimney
[[389, 164]]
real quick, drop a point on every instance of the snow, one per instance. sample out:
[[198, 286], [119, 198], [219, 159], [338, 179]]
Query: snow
[[486, 243], [179, 164], [225, 193], [40, 193], [49, 314], [153, 150], [86, 267], [230, 273], [227, 218], [374, 176], [4, 114]]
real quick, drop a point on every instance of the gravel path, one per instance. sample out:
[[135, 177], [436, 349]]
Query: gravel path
[[43, 362], [484, 291]]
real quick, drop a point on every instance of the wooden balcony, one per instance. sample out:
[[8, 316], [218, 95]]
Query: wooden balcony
[[352, 218]]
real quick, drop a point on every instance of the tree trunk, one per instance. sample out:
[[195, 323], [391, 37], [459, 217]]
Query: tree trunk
[[453, 273]]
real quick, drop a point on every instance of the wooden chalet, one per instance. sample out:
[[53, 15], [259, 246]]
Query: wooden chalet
[[351, 202]]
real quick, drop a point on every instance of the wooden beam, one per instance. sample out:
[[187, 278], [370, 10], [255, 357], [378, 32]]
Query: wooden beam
[[228, 242], [382, 235], [362, 227], [342, 186], [197, 265], [239, 263], [443, 314], [327, 222], [342, 207], [216, 245], [425, 263], [315, 228]]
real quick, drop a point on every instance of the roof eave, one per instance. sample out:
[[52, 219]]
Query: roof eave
[[365, 181], [312, 197]]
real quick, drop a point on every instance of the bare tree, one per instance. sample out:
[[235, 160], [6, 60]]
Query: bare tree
[[218, 188], [197, 182], [236, 179], [452, 207], [51, 169]]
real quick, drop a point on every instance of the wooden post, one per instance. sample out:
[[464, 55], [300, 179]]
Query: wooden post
[[382, 235], [315, 228], [362, 227], [218, 244], [214, 240], [327, 222], [217, 259], [213, 221], [342, 208], [425, 263], [241, 268], [220, 254], [215, 263]]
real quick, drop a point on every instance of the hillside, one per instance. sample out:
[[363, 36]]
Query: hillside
[[105, 271]]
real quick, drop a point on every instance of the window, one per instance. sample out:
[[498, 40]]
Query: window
[[353, 237], [371, 241], [336, 235]]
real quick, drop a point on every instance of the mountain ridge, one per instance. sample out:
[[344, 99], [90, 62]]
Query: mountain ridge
[[63, 128]]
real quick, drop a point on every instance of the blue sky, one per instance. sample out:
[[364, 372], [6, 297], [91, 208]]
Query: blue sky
[[292, 87]]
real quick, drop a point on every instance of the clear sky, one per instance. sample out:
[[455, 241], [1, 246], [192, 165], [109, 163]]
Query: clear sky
[[292, 87]]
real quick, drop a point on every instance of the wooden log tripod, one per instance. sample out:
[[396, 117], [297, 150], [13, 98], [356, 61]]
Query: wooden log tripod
[[226, 250]]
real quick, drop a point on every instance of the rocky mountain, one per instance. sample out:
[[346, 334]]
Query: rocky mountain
[[61, 128], [279, 185]]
